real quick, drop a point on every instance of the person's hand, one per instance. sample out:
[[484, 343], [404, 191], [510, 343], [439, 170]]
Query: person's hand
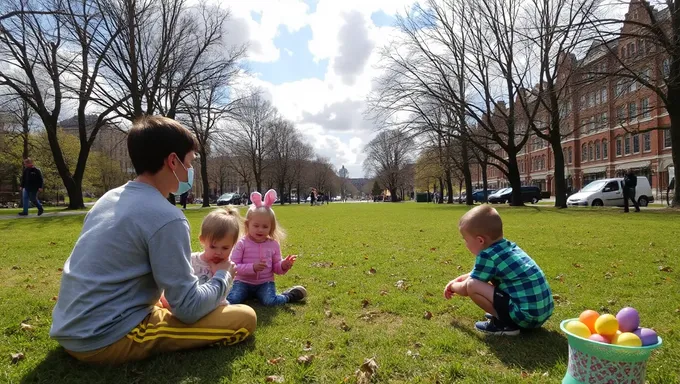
[[288, 262], [225, 265], [448, 290], [260, 266]]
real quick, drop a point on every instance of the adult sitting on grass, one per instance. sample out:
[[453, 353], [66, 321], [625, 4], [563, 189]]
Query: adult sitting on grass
[[133, 246]]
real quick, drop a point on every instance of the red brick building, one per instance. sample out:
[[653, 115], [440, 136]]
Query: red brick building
[[606, 118]]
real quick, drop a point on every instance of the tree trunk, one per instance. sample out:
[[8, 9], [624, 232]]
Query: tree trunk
[[515, 181], [467, 174], [673, 108], [282, 197], [393, 193], [449, 187], [441, 191], [485, 183], [204, 178], [298, 193], [25, 128], [559, 176]]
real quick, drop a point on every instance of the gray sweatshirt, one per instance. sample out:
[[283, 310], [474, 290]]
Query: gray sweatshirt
[[133, 245]]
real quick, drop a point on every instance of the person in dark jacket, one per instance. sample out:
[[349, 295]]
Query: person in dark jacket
[[31, 184], [629, 184]]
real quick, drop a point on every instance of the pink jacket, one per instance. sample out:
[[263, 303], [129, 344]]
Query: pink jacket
[[247, 252]]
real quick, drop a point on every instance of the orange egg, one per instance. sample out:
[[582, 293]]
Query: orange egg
[[588, 317]]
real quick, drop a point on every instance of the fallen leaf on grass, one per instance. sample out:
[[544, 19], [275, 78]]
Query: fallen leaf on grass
[[460, 267], [433, 249], [275, 361], [366, 371], [524, 375], [412, 354], [26, 327], [611, 302], [328, 313], [401, 284], [560, 277], [665, 269], [54, 298], [308, 346], [332, 284], [608, 275], [324, 264], [344, 326], [577, 265], [16, 357], [417, 345], [305, 359], [274, 379], [383, 293], [427, 315], [372, 271], [53, 243], [16, 267], [60, 269], [30, 286], [365, 303]]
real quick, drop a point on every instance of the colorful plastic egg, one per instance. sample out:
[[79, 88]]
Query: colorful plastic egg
[[606, 325], [629, 319], [588, 317], [628, 339], [647, 336], [578, 328]]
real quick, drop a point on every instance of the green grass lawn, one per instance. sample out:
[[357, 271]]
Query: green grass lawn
[[597, 259]]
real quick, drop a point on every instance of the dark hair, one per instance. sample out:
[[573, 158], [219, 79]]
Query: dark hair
[[153, 138]]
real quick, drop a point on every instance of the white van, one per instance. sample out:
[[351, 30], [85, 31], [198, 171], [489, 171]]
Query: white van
[[609, 192]]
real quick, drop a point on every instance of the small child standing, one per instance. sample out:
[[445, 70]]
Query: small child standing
[[258, 257], [219, 232], [505, 281]]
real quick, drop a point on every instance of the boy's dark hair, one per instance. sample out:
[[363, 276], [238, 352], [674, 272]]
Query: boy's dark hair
[[153, 138]]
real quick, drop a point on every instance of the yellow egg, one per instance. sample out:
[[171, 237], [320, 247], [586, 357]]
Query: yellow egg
[[628, 339], [616, 336], [606, 325], [578, 329]]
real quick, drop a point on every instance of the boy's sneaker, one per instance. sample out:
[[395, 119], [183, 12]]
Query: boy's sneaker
[[488, 316], [495, 327], [297, 293], [40, 212], [23, 214]]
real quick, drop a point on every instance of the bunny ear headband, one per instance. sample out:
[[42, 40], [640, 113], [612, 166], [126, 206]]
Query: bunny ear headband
[[269, 199]]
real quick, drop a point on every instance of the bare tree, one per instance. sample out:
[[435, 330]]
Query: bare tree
[[650, 29], [284, 139], [64, 49], [302, 153], [204, 111], [387, 155], [250, 135], [556, 30], [323, 175]]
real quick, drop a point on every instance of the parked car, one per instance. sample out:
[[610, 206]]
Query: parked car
[[495, 198], [530, 194], [478, 196], [609, 192], [229, 199]]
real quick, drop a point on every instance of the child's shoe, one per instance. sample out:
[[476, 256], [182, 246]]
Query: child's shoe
[[495, 327], [297, 293]]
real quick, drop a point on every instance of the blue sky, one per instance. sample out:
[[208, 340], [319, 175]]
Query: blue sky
[[315, 60]]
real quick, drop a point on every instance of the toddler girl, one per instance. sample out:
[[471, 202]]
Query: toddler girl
[[219, 232], [258, 257]]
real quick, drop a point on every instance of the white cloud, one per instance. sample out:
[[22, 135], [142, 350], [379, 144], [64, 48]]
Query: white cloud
[[328, 111]]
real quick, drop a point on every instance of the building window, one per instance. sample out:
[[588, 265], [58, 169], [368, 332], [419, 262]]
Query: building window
[[644, 108], [636, 144], [626, 144], [583, 101], [605, 149], [632, 111], [646, 74], [647, 141], [584, 153], [667, 138], [604, 120], [618, 146], [597, 149], [569, 159], [640, 48], [621, 114], [590, 152], [666, 67], [603, 95], [592, 124], [620, 88]]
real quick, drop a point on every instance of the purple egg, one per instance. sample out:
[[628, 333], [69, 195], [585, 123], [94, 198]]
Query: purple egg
[[629, 319], [647, 336]]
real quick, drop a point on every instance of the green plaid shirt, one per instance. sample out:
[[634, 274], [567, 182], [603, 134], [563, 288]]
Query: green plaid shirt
[[510, 269]]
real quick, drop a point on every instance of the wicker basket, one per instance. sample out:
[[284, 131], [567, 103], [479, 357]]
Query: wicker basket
[[591, 362]]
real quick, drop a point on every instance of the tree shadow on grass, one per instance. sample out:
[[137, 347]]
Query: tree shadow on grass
[[531, 350], [203, 365]]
